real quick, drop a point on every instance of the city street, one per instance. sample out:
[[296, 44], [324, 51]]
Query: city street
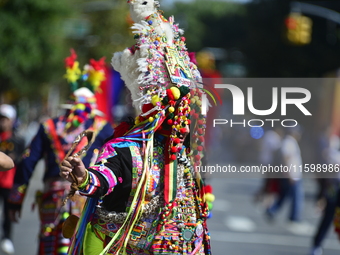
[[238, 226]]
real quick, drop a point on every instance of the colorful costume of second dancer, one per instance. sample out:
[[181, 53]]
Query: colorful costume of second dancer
[[51, 143]]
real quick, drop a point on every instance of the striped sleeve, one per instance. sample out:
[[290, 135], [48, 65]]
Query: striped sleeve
[[104, 175]]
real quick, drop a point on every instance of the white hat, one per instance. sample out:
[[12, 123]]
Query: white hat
[[8, 111]]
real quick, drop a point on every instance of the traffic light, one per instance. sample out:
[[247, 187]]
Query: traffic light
[[298, 29]]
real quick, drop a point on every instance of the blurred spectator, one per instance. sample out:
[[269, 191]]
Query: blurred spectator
[[6, 163], [329, 190], [337, 216], [13, 145], [290, 185], [270, 154]]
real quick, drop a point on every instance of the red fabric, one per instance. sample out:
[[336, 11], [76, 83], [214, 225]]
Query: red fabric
[[5, 135], [7, 178], [102, 96]]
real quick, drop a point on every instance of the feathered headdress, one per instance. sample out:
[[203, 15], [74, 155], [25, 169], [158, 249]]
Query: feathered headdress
[[84, 84]]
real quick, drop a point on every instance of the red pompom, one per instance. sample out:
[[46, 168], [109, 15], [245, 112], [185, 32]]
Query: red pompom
[[177, 140], [201, 138], [200, 148], [200, 131], [197, 157], [170, 122], [183, 130], [169, 94], [173, 149], [173, 157], [208, 189]]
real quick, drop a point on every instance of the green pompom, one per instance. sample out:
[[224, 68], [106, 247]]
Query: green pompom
[[165, 100], [75, 123], [184, 90]]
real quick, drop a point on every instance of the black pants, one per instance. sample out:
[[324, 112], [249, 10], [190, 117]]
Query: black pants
[[327, 216], [6, 221]]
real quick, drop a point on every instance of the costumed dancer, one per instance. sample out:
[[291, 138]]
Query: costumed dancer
[[51, 143], [144, 194], [13, 145]]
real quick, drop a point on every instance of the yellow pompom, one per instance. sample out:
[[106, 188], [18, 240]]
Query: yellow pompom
[[151, 119], [171, 109], [198, 102], [209, 197], [80, 107], [193, 100], [137, 121], [155, 99], [175, 92]]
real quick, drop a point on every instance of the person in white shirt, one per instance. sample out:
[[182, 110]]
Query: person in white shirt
[[291, 181]]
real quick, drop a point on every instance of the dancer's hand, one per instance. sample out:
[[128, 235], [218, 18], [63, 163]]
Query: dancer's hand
[[72, 165]]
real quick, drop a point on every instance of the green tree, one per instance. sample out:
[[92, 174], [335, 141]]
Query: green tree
[[32, 44], [209, 23], [108, 29]]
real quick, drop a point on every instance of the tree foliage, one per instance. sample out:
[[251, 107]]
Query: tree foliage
[[31, 43], [210, 23]]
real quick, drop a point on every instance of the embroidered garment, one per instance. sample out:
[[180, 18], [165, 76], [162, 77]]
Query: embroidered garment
[[179, 228]]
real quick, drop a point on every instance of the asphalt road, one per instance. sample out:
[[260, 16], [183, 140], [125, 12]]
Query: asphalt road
[[238, 225]]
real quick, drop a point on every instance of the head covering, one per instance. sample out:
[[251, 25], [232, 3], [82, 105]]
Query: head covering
[[83, 85], [8, 111], [165, 85]]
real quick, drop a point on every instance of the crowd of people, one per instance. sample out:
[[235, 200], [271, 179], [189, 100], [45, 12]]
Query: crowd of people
[[281, 147]]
